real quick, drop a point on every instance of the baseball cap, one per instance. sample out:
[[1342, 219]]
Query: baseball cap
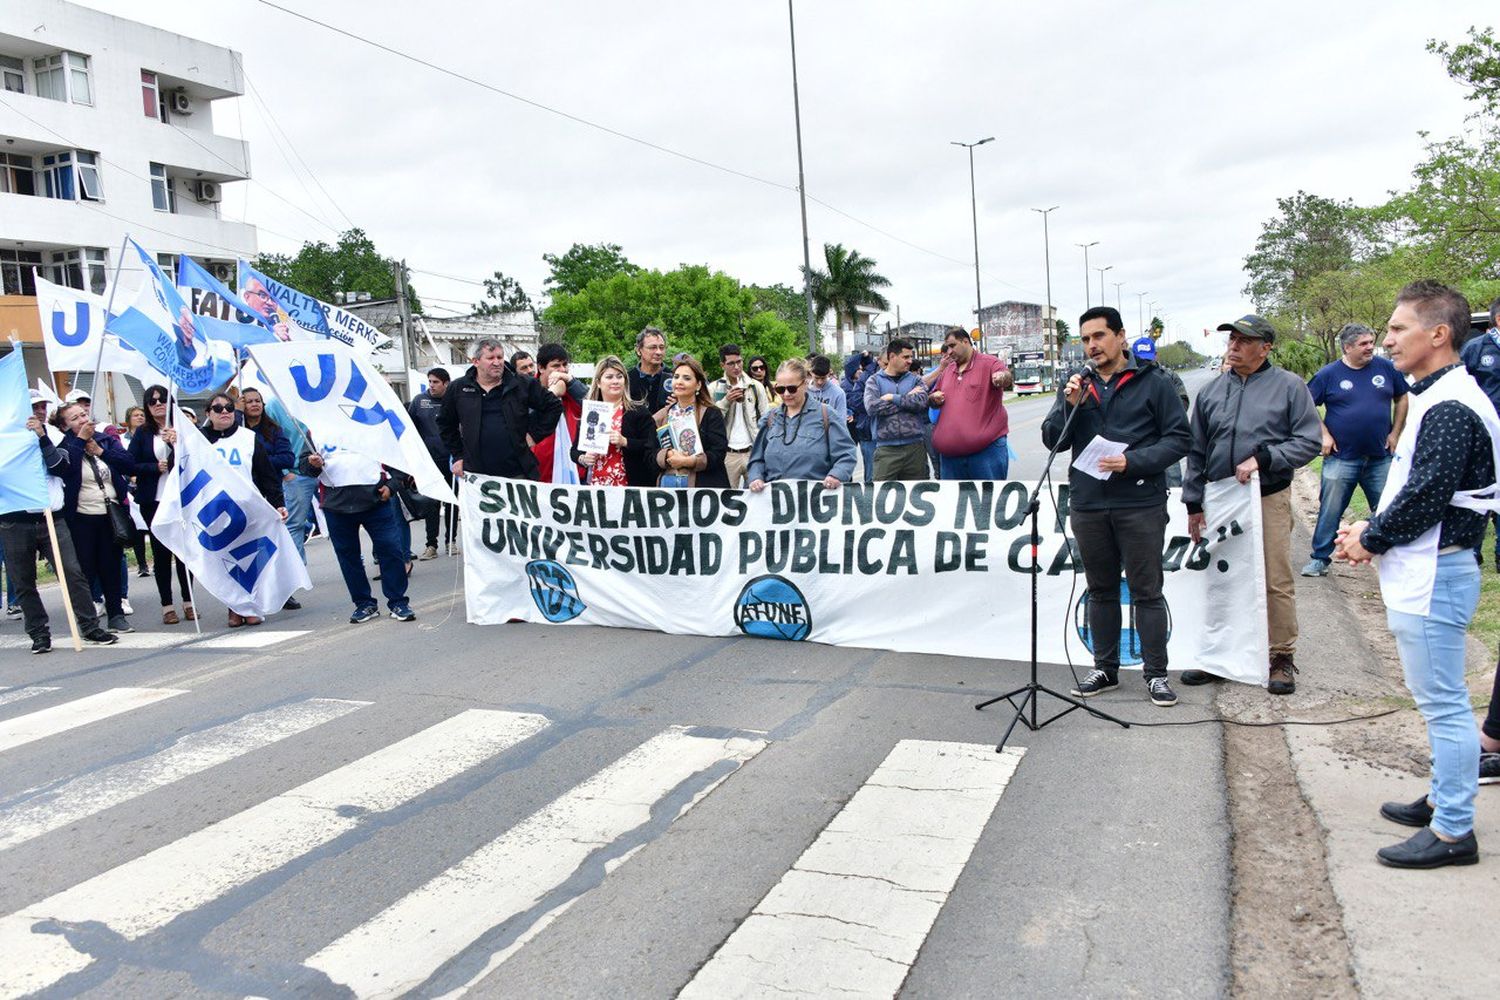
[[1144, 348], [1251, 325], [78, 395], [37, 397]]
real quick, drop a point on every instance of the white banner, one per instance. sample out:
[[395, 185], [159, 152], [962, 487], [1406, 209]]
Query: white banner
[[74, 338], [911, 567], [233, 541], [345, 403]]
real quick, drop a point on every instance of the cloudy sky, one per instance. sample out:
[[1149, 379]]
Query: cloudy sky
[[1163, 130]]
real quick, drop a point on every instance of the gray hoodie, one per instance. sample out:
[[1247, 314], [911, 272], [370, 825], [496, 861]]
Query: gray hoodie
[[1269, 415]]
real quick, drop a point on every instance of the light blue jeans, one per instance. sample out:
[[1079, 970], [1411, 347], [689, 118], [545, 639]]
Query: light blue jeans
[[299, 492], [1432, 658]]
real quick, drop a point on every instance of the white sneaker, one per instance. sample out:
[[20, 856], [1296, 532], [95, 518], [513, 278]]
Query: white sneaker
[[125, 607]]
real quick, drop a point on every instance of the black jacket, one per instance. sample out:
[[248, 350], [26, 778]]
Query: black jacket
[[715, 438], [641, 444], [142, 450], [1144, 413], [529, 409]]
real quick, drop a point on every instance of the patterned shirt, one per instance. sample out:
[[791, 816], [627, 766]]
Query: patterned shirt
[[1452, 453]]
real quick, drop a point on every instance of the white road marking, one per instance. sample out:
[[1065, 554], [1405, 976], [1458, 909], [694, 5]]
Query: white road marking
[[403, 946], [69, 715], [146, 894], [83, 796], [253, 638], [852, 913], [10, 696]]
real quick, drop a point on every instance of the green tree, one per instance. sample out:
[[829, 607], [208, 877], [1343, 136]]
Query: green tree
[[1310, 234], [502, 293], [850, 281], [1062, 331], [786, 302], [1178, 354], [698, 309], [583, 263], [1155, 328], [351, 265], [1475, 64]]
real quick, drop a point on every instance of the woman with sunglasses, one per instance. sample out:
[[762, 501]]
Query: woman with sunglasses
[[760, 370], [703, 464], [802, 438], [632, 434], [151, 450], [247, 454]]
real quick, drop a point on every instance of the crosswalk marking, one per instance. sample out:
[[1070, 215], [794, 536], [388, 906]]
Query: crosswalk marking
[[852, 913], [127, 640], [40, 811], [253, 638], [149, 892], [69, 715], [10, 696], [402, 947]]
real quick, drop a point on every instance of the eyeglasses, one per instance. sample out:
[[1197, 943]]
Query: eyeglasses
[[159, 401], [785, 390], [757, 368], [220, 408]]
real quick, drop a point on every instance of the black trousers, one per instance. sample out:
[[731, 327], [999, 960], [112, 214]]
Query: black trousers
[[443, 511], [23, 542], [162, 563], [1129, 540], [99, 556]]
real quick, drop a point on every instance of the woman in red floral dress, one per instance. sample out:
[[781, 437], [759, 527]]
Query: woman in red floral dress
[[630, 460]]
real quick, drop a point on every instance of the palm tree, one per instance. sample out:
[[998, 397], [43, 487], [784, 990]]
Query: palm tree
[[850, 281]]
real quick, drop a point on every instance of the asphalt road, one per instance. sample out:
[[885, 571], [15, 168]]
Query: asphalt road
[[431, 808]]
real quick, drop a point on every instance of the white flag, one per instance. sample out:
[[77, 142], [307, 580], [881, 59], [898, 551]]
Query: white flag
[[344, 402], [74, 338], [215, 521], [563, 469]]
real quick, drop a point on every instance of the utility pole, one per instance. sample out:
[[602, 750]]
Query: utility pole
[[1140, 317], [1049, 334], [974, 212], [1101, 270], [812, 324], [406, 326], [1086, 293]]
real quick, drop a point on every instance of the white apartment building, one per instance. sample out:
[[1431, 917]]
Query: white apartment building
[[106, 128]]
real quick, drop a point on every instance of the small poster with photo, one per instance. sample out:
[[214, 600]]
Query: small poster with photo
[[684, 428], [594, 426]]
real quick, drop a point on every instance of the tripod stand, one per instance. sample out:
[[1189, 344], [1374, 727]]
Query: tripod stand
[[1032, 691]]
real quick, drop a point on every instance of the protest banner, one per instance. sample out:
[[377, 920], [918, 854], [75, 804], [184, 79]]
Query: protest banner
[[73, 334], [160, 326], [912, 567], [345, 403], [224, 531], [318, 317]]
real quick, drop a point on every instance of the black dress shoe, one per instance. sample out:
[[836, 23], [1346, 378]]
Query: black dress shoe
[[1417, 813], [292, 604], [1192, 678], [1425, 850]]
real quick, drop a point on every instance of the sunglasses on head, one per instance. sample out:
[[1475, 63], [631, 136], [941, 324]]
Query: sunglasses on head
[[220, 408], [782, 390]]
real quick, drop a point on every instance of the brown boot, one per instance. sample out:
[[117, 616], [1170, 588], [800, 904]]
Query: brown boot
[[1282, 669]]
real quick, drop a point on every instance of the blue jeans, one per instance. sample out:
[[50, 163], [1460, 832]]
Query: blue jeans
[[1340, 476], [299, 492], [380, 525], [867, 455], [992, 462], [1432, 660]]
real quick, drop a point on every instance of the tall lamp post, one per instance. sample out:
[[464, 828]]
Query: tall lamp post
[[1101, 270], [812, 324], [1117, 285], [1049, 329], [974, 212], [1140, 317], [1086, 292]]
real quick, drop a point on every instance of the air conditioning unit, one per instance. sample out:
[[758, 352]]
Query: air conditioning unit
[[208, 192], [223, 272], [181, 103]]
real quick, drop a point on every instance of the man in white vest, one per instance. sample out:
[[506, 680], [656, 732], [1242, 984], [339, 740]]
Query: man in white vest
[[1437, 498]]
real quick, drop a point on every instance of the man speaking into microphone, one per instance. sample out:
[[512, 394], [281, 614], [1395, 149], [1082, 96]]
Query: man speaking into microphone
[[1119, 506]]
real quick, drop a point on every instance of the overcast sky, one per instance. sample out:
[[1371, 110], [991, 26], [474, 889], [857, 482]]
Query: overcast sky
[[1163, 130]]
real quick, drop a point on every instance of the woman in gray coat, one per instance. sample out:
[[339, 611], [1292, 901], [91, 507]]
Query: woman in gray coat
[[801, 438]]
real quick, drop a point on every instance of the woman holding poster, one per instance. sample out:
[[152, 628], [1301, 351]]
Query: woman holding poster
[[798, 441], [628, 437], [693, 454]]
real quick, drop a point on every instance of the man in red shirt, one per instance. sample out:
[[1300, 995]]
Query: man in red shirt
[[552, 372], [972, 422]]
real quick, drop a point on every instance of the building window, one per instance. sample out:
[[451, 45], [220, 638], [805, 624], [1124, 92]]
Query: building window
[[13, 74], [82, 268], [163, 191], [16, 276], [168, 263], [72, 175], [17, 174], [63, 76], [150, 95]]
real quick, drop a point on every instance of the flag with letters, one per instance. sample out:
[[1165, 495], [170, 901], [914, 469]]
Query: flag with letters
[[300, 310], [182, 347], [74, 338], [23, 477], [190, 274], [215, 521]]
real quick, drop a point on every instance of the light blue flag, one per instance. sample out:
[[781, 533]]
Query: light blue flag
[[260, 329], [23, 477], [175, 342]]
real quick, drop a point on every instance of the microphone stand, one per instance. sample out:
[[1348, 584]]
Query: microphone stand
[[1031, 691]]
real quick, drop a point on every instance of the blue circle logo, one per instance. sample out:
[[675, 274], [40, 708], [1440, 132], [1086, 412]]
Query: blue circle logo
[[771, 607], [554, 590], [1130, 639]]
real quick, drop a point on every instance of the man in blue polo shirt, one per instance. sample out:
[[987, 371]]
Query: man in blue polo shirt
[[1357, 393]]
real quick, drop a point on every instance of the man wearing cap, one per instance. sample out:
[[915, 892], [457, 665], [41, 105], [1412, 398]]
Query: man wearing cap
[[1144, 349], [1358, 393], [1256, 418]]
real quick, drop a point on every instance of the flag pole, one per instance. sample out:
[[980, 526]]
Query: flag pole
[[172, 424], [108, 309], [62, 578]]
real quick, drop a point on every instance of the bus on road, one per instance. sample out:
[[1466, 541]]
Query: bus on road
[[1031, 372]]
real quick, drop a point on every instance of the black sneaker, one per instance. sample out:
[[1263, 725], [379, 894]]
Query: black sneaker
[[41, 644], [119, 623], [403, 613], [292, 604], [1095, 683], [365, 614], [1161, 692], [1489, 768], [1417, 813], [1424, 849], [1192, 678], [99, 635]]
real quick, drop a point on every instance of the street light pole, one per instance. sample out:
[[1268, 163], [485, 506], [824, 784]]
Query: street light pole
[[1101, 270], [1117, 285], [974, 212], [1086, 292], [1140, 319], [812, 324], [1049, 336]]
